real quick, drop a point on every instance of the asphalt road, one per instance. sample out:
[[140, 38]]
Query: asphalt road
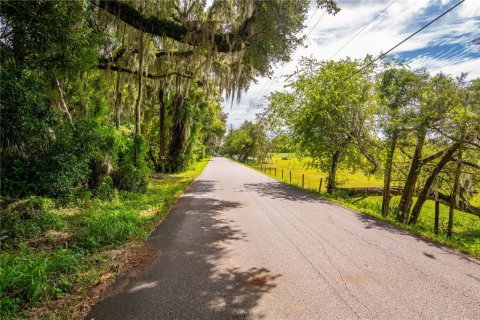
[[239, 245]]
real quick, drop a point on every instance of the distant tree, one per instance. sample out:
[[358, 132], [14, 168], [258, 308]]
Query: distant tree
[[250, 140]]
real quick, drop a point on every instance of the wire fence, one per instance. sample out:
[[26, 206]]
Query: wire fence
[[299, 179]]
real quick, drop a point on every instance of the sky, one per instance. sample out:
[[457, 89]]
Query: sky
[[445, 46]]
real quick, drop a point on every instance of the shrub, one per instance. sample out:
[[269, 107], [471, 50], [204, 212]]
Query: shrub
[[106, 190], [108, 228], [131, 175], [27, 219]]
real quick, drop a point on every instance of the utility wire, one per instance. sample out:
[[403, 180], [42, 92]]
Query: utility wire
[[404, 40], [311, 17], [283, 67], [350, 40]]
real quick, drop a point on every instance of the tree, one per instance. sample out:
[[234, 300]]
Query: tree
[[398, 93], [103, 88], [329, 114], [437, 99], [250, 140]]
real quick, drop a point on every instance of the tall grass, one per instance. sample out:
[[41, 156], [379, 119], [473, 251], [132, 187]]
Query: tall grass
[[49, 251]]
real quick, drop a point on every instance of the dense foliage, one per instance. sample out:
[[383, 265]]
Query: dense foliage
[[96, 89], [419, 132]]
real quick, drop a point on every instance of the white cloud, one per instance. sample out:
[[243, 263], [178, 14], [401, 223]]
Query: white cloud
[[402, 18]]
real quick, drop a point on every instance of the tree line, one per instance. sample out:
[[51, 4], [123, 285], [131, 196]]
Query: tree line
[[101, 93], [417, 131]]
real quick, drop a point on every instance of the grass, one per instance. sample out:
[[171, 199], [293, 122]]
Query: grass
[[51, 254], [466, 227], [301, 167]]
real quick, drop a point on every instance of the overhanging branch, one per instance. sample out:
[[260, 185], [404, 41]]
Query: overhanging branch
[[166, 28], [182, 54], [145, 74]]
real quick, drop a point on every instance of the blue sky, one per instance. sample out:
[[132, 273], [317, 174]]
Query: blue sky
[[444, 46]]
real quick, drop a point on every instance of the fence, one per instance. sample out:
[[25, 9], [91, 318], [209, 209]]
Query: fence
[[309, 182]]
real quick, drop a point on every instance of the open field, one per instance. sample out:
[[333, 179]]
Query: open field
[[52, 256], [312, 176], [466, 228]]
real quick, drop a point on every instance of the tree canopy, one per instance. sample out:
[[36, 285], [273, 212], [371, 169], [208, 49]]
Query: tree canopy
[[98, 90]]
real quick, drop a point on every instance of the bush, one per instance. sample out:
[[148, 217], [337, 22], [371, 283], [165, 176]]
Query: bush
[[106, 189], [131, 175], [108, 228], [27, 219]]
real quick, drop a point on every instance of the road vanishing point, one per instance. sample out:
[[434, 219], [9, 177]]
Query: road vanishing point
[[240, 245]]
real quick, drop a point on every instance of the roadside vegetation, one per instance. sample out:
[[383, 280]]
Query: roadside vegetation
[[375, 130], [466, 227], [102, 104], [52, 255]]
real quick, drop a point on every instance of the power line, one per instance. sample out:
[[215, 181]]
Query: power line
[[315, 25], [350, 40], [407, 38], [283, 67], [311, 17]]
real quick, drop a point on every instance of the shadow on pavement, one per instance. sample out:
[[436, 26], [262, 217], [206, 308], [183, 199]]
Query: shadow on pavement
[[188, 280], [279, 190], [372, 223]]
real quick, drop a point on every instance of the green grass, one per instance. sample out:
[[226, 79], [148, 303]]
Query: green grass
[[50, 252], [466, 227], [301, 167]]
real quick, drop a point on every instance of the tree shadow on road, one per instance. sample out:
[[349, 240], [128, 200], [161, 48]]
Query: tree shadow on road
[[279, 190], [373, 223], [187, 281]]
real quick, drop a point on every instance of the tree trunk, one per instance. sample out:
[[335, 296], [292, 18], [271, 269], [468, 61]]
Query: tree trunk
[[161, 142], [409, 188], [139, 99], [463, 205], [331, 180], [118, 86], [388, 174], [456, 187], [177, 140], [118, 101], [423, 195]]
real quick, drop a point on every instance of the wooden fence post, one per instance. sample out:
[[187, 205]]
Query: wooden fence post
[[282, 174], [303, 180], [275, 172], [437, 216], [290, 176], [320, 185]]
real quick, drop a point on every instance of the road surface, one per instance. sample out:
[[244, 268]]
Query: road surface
[[240, 245]]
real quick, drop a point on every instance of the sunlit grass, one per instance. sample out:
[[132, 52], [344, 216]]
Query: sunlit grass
[[60, 251], [311, 176]]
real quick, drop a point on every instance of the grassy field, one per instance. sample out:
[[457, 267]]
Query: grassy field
[[300, 167], [466, 228], [52, 256]]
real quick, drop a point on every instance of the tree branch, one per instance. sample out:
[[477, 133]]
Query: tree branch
[[182, 54], [63, 104], [435, 155], [470, 164], [165, 28], [145, 74]]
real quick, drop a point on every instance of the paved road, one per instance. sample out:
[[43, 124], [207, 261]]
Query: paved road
[[239, 245]]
